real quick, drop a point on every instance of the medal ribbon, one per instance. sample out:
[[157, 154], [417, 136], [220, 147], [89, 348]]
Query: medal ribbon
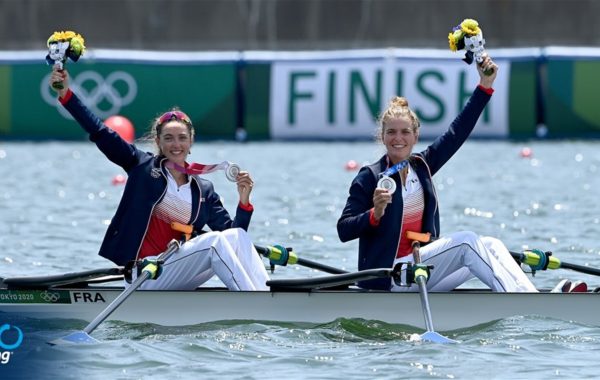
[[196, 168], [395, 169], [231, 170]]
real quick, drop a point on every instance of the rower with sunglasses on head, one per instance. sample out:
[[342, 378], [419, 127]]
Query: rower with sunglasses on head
[[160, 191]]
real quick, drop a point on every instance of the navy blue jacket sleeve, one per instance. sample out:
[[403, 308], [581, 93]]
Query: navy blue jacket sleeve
[[354, 221], [108, 141]]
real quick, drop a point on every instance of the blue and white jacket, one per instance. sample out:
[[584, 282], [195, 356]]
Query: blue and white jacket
[[145, 188], [378, 244]]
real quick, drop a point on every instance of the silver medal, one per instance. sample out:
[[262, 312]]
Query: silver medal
[[387, 183], [232, 171]]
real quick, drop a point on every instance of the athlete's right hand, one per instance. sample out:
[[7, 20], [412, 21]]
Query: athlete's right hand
[[60, 76], [381, 198]]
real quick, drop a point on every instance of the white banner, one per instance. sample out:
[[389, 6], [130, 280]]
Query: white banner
[[341, 98]]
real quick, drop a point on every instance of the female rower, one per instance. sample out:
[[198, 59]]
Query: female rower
[[380, 217], [160, 191]]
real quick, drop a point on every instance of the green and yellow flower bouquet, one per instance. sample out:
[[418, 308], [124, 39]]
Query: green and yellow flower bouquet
[[469, 37], [63, 46]]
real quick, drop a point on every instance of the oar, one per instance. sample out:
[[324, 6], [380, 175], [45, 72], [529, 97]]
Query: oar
[[540, 260], [277, 254], [149, 271], [39, 282], [421, 275], [335, 280]]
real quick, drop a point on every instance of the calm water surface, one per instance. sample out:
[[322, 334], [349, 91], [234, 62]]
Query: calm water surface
[[57, 198]]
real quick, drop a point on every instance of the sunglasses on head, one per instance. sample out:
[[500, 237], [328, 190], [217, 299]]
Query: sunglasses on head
[[174, 115]]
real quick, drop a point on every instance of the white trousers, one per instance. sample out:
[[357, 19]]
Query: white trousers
[[229, 254], [463, 255]]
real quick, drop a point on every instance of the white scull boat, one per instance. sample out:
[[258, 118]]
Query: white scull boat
[[452, 310], [85, 295]]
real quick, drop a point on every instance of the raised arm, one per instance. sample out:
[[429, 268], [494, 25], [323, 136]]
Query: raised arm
[[446, 145], [108, 141]]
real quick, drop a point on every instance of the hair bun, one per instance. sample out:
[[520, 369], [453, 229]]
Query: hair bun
[[398, 108], [399, 101]]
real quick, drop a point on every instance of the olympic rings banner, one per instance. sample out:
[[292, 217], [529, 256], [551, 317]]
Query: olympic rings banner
[[137, 89]]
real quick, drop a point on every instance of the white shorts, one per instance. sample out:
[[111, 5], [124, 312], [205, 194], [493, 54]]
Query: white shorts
[[463, 255], [229, 254]]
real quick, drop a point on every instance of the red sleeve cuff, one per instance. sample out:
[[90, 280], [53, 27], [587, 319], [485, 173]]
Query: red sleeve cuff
[[488, 91], [66, 98], [247, 207], [372, 221]]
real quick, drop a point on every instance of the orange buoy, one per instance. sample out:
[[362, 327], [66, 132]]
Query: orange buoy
[[351, 165], [526, 152], [122, 126], [119, 179]]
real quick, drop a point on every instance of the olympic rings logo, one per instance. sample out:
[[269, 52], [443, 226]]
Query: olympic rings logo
[[50, 297], [16, 344], [105, 97]]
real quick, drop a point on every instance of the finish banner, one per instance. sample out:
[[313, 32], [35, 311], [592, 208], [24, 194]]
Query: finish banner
[[342, 98]]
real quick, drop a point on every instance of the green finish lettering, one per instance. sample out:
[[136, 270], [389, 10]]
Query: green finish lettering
[[441, 109], [373, 101], [399, 82], [463, 92], [331, 98], [295, 95]]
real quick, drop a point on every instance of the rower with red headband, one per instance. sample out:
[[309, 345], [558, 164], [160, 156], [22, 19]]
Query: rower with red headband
[[163, 189]]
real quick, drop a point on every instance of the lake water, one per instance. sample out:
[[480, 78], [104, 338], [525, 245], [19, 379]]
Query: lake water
[[56, 200]]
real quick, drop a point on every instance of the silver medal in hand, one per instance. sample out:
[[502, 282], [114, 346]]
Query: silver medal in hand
[[387, 183]]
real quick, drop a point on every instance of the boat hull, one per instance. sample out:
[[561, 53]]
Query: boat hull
[[450, 311]]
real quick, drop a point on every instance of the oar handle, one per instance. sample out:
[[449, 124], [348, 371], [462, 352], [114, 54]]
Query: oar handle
[[537, 259], [274, 253], [533, 259]]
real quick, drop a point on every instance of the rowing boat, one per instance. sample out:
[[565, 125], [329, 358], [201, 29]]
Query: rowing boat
[[453, 310], [88, 296]]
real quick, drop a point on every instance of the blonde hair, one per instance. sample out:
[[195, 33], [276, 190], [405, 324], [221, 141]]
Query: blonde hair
[[397, 109]]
